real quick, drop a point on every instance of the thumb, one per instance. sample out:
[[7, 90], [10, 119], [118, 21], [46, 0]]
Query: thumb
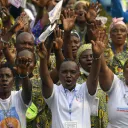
[[92, 42], [15, 69]]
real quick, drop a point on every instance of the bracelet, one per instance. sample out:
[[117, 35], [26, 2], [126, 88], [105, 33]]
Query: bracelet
[[96, 58], [22, 77], [3, 41]]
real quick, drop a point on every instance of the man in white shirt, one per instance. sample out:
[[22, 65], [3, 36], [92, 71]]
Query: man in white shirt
[[71, 104]]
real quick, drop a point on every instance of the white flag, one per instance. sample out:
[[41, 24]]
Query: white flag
[[46, 33], [54, 14], [16, 3]]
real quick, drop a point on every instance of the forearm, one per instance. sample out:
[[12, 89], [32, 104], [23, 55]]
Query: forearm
[[7, 36], [59, 59], [8, 56], [92, 80], [47, 83], [106, 75], [26, 90], [67, 45]]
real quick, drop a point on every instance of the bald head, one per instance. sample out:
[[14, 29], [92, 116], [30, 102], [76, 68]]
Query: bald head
[[25, 40]]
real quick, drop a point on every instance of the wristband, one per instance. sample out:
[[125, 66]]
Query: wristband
[[22, 77], [97, 58]]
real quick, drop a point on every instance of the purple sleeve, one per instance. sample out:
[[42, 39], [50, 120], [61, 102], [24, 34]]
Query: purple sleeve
[[37, 29]]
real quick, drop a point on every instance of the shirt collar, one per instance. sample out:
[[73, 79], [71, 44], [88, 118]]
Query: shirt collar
[[76, 88]]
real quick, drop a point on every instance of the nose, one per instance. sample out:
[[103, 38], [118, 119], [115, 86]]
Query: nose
[[4, 78], [68, 74], [89, 57]]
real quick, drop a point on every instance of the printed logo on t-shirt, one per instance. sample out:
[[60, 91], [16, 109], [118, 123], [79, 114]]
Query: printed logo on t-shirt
[[125, 109], [9, 120], [79, 97]]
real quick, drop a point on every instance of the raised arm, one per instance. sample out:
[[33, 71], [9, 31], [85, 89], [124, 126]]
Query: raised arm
[[47, 83], [57, 43], [68, 20], [106, 75], [98, 47], [23, 68]]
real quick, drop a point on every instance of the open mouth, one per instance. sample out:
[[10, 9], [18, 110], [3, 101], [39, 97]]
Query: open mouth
[[89, 64], [68, 81], [81, 14]]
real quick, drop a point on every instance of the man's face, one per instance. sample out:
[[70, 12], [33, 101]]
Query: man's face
[[68, 74], [6, 80], [25, 42]]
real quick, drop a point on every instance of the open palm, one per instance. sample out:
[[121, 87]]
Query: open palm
[[68, 19]]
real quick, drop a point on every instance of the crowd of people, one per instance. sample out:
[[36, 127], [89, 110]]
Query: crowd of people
[[60, 65]]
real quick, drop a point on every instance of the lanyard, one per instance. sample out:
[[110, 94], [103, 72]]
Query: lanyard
[[70, 104]]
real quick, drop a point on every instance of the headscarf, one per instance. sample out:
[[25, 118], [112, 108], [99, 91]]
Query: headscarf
[[81, 49], [116, 21], [81, 1], [75, 33]]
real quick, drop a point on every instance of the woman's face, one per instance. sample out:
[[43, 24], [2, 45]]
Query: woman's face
[[75, 45], [6, 80], [118, 35], [80, 10], [70, 4], [85, 60]]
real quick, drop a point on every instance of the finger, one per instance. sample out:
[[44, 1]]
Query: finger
[[68, 13], [92, 42], [98, 36], [62, 17], [65, 14]]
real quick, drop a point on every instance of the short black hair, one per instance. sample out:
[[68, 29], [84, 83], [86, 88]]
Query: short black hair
[[7, 65], [67, 60]]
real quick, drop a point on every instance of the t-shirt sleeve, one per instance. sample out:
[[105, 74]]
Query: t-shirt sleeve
[[50, 100], [92, 100], [19, 101], [115, 84]]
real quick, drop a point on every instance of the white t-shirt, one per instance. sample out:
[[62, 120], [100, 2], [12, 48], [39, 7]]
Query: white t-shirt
[[17, 109], [82, 106], [118, 104]]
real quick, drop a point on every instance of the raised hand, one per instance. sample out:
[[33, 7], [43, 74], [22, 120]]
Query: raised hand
[[58, 39], [4, 3], [4, 13], [23, 66], [93, 29], [21, 22], [68, 19], [98, 46], [41, 51], [92, 12], [41, 3]]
